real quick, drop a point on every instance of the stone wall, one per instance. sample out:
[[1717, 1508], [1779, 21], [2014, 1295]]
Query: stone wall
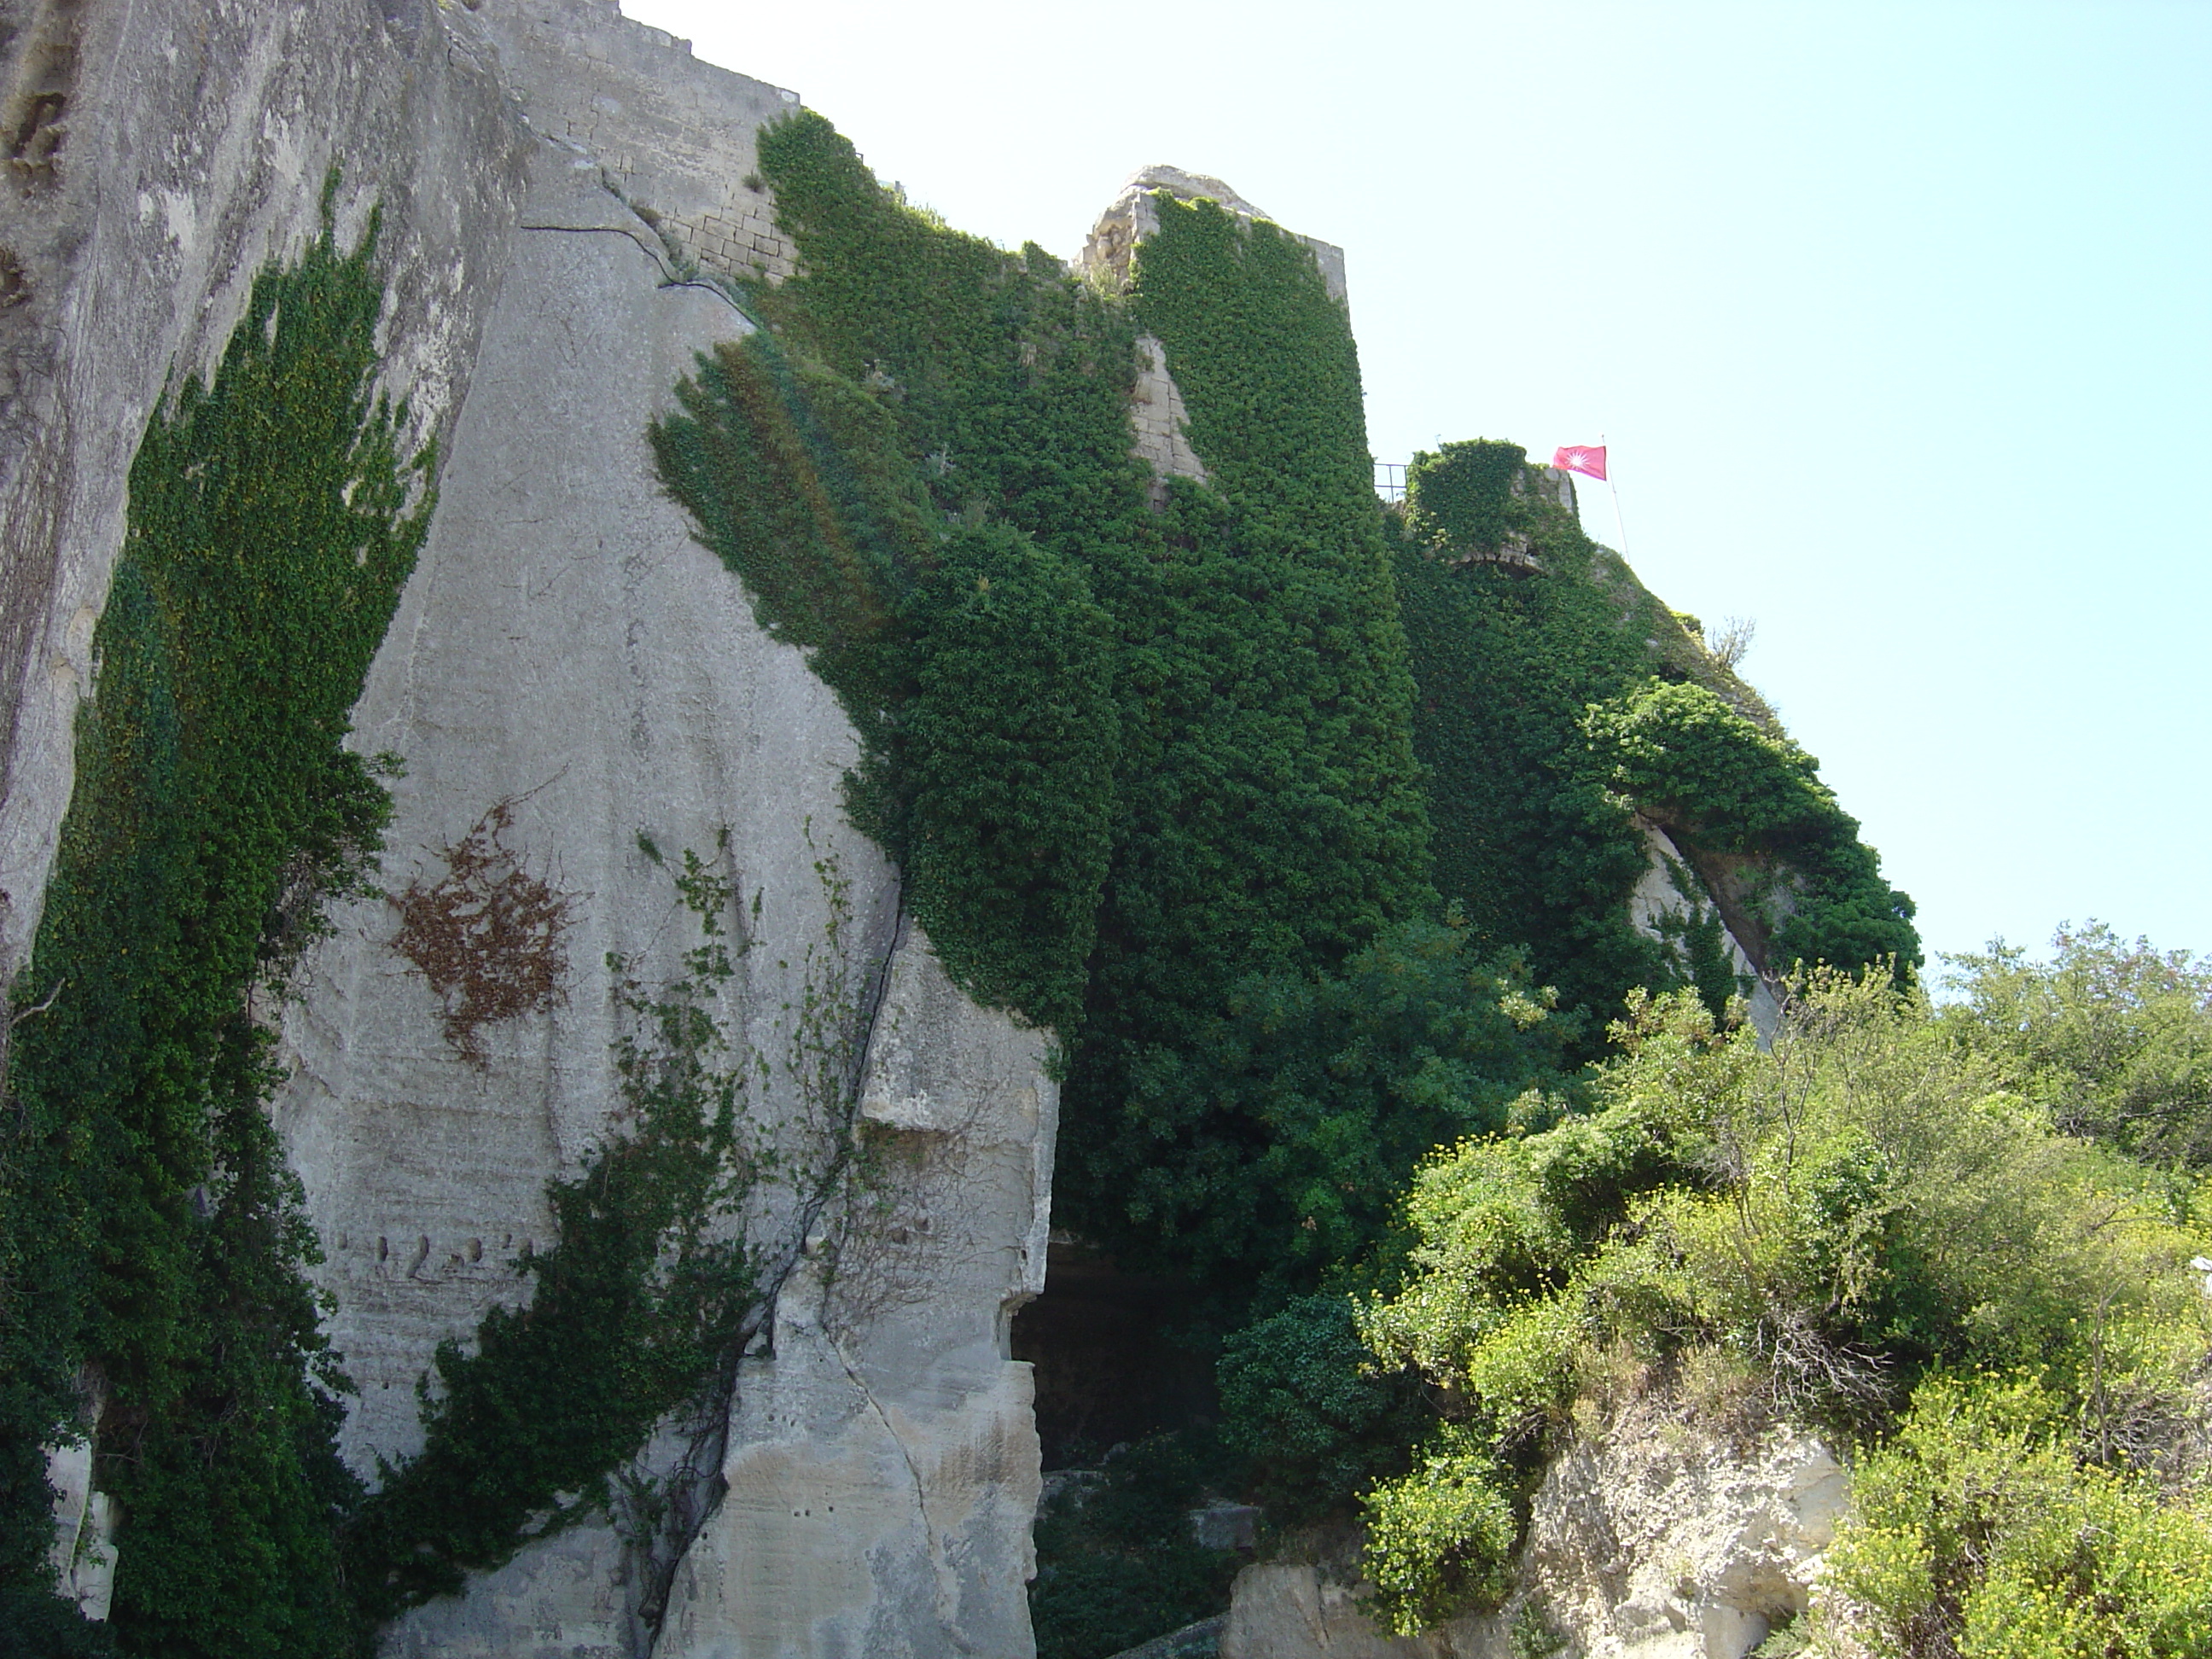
[[1158, 420], [674, 136], [1132, 216], [1156, 405]]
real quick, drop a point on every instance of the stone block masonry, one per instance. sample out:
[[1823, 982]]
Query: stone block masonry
[[1157, 415], [1132, 217], [672, 135]]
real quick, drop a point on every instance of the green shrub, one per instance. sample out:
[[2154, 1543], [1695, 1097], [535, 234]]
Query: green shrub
[[1440, 1539], [1979, 1531], [2114, 1039], [1844, 1212], [1117, 1561], [1730, 790], [1274, 1142], [1303, 1403]]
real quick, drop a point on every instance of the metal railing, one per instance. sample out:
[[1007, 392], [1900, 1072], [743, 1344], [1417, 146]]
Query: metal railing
[[1390, 480]]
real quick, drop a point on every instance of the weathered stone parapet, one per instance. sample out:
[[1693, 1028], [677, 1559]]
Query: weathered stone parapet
[[674, 135], [1156, 407], [1133, 216]]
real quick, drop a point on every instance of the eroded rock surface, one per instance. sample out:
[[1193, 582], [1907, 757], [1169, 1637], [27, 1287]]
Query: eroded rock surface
[[1656, 1542], [882, 1467]]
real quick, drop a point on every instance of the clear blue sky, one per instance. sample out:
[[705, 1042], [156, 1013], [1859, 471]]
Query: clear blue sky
[[1898, 320]]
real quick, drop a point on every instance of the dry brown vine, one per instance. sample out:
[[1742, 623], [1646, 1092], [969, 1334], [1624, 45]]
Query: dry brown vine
[[490, 936]]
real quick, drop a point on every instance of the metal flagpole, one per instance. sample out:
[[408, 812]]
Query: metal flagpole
[[1618, 528]]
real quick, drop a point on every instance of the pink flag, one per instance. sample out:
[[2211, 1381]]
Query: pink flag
[[1584, 459]]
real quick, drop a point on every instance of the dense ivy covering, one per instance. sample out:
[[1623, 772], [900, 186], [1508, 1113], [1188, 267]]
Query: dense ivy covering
[[1527, 843], [907, 473], [1008, 832], [1557, 705], [153, 1246], [1272, 818], [1461, 498], [1127, 759]]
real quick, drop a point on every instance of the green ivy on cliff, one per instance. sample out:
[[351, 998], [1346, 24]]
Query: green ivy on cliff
[[1461, 497], [1527, 843], [1007, 835], [1751, 806], [1555, 704], [154, 1247], [1250, 775], [903, 473]]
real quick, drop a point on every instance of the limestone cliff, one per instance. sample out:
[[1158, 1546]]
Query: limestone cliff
[[548, 176], [1658, 1540]]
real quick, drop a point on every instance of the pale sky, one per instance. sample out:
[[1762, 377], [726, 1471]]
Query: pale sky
[[1898, 320]]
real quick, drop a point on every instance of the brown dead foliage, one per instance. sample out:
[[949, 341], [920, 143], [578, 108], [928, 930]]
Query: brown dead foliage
[[490, 936]]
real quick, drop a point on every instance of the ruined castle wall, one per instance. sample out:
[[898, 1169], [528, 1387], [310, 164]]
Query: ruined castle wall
[[674, 135]]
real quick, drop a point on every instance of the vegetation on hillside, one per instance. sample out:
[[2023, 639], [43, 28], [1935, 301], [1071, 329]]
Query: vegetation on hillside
[[1176, 781], [1863, 1228]]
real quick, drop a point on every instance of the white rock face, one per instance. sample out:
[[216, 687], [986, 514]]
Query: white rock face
[[567, 646], [83, 1555], [184, 146], [883, 1463], [1658, 897], [1663, 1544], [1655, 1543]]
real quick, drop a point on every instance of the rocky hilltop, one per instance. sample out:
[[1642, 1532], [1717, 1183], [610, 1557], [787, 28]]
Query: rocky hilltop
[[599, 720]]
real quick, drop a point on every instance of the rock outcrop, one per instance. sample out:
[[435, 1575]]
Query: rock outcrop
[[1656, 1542]]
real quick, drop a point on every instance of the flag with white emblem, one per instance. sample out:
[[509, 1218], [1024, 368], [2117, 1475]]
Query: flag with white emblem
[[1588, 459]]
